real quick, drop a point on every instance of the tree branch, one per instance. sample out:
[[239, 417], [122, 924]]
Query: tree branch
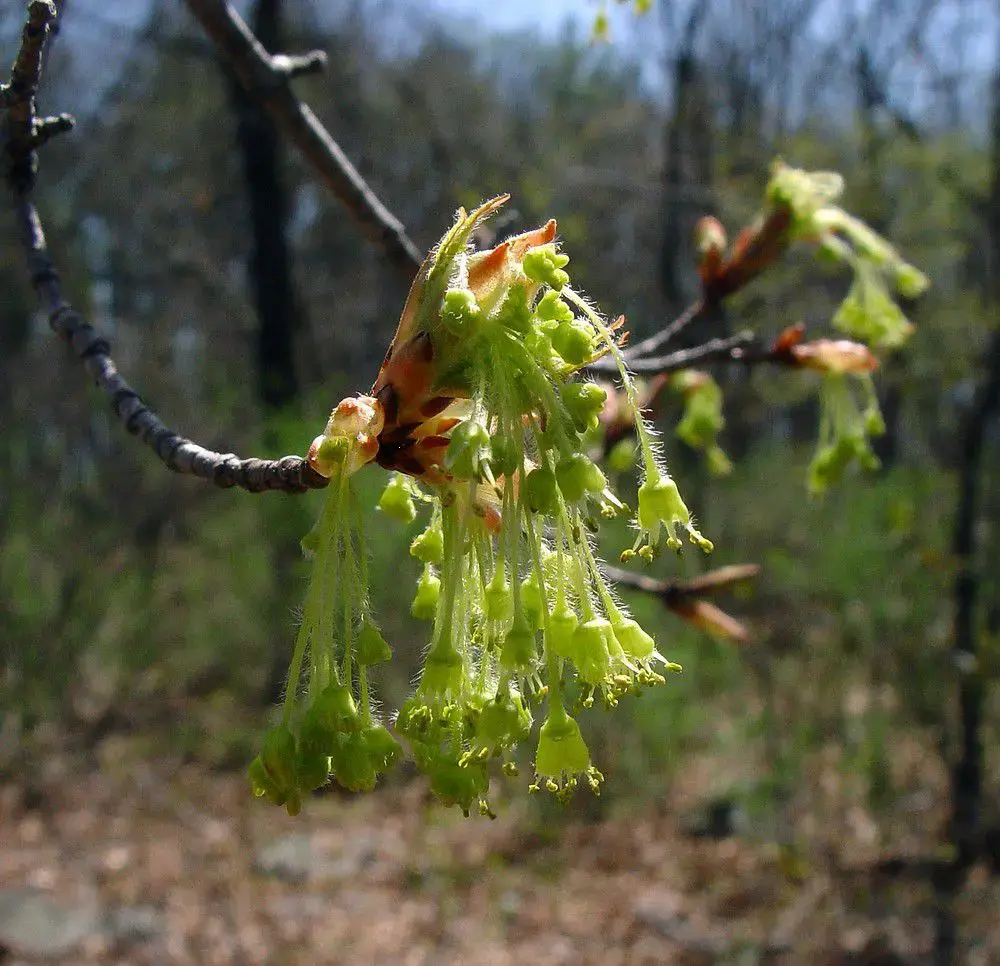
[[673, 590], [670, 331], [685, 598], [22, 131], [267, 78], [743, 347], [290, 474]]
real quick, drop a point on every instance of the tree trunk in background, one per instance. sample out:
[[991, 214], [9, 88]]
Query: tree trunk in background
[[687, 165], [687, 180], [871, 97], [965, 827], [270, 261], [278, 308]]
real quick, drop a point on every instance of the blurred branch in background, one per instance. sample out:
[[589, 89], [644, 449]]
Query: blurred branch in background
[[269, 268], [686, 598], [266, 78]]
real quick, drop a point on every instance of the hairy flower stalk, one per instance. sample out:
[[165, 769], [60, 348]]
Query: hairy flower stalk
[[478, 409], [479, 412], [331, 730]]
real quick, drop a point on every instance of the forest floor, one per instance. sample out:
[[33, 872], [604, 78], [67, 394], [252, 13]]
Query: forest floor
[[130, 860]]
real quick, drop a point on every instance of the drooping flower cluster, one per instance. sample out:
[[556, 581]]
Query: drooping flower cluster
[[477, 409], [868, 313], [850, 414]]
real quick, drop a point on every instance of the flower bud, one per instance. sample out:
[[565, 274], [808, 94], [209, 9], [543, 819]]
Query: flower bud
[[515, 313], [873, 421], [272, 772], [584, 402], [335, 709], [459, 309], [869, 313], [539, 345], [540, 490], [544, 264], [803, 192], [551, 308], [633, 640], [372, 647], [577, 476], [396, 501], [621, 459], [590, 650], [562, 625], [505, 456], [717, 462], [519, 652], [424, 605], [350, 764], [333, 450], [660, 503], [428, 546], [561, 748], [312, 763], [443, 671], [709, 236], [834, 356], [574, 341], [383, 750], [468, 450], [532, 603], [498, 602], [503, 722], [263, 784], [456, 784], [911, 283]]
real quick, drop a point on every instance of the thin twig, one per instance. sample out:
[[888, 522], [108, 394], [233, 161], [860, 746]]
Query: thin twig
[[686, 598], [672, 590], [670, 331], [298, 65], [268, 81], [743, 347], [46, 128]]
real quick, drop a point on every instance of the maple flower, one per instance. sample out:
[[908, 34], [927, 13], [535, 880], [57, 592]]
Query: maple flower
[[479, 411]]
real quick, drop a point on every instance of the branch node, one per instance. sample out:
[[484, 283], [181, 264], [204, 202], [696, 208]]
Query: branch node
[[45, 129], [296, 65]]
